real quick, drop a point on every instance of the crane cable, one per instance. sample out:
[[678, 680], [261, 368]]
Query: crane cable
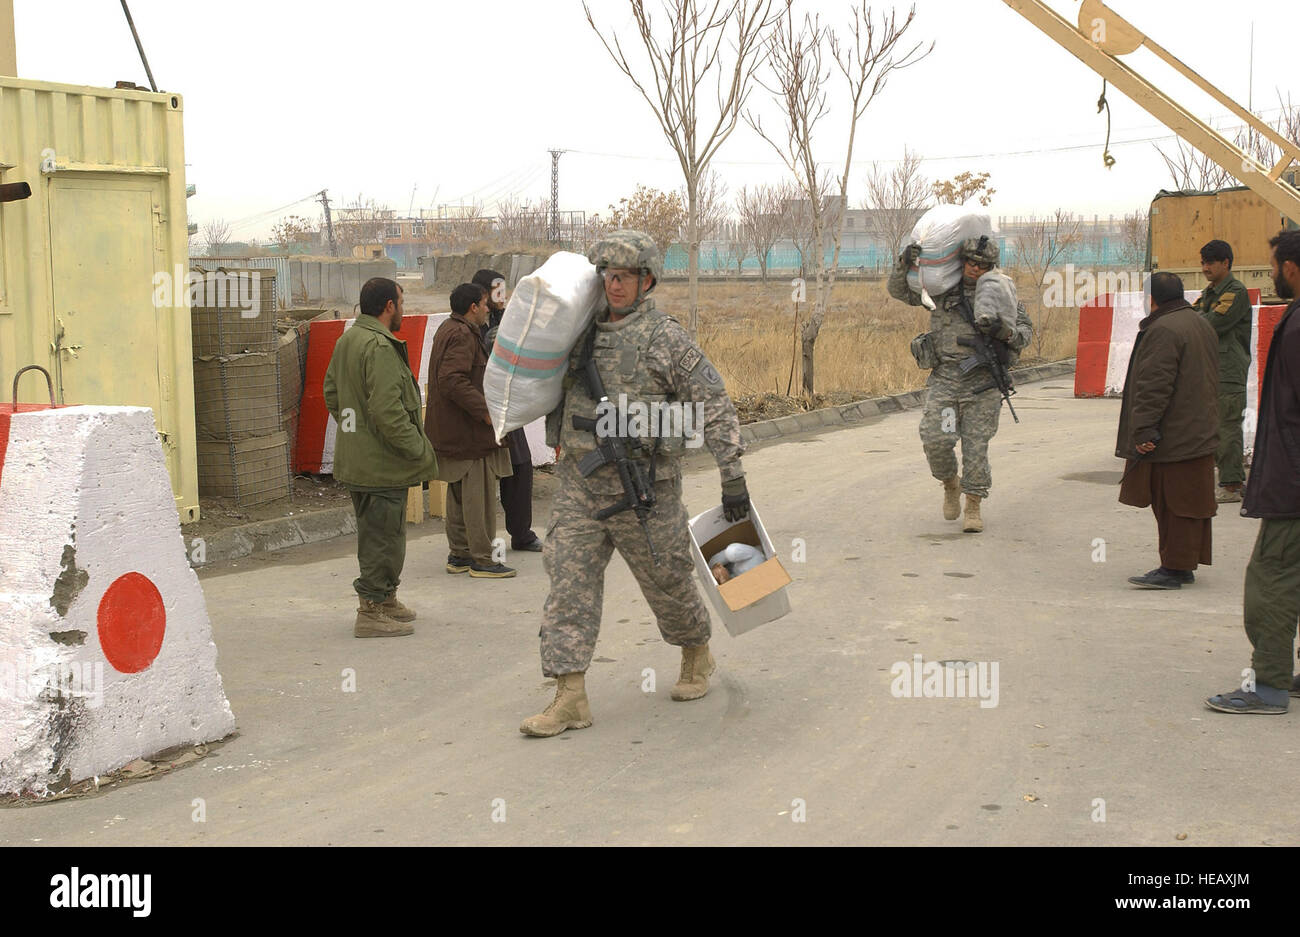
[[1103, 104]]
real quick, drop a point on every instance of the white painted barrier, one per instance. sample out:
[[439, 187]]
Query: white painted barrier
[[106, 650]]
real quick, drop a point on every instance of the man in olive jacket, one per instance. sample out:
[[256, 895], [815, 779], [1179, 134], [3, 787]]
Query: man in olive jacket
[[1272, 590], [380, 450], [1225, 304], [1169, 431]]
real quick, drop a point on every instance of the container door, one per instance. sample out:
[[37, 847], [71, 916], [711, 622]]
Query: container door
[[106, 242]]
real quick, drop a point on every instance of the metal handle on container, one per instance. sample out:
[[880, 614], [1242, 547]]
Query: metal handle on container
[[49, 382]]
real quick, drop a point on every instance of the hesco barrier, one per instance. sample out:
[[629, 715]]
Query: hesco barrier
[[93, 264]]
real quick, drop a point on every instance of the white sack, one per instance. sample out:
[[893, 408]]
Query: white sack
[[995, 298], [547, 314], [940, 233]]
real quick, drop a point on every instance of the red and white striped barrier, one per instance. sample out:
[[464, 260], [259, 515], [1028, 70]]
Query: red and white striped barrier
[[106, 650], [314, 447], [1108, 327]]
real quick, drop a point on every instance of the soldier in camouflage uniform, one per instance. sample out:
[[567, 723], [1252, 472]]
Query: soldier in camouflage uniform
[[649, 357], [959, 406]]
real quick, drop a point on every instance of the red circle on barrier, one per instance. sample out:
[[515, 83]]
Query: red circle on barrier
[[132, 620]]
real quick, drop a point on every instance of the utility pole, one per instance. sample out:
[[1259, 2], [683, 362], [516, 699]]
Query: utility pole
[[329, 223], [553, 234]]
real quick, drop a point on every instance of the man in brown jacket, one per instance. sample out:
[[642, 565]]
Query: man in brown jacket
[[1169, 431], [458, 424]]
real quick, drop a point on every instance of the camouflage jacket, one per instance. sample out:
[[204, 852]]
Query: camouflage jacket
[[948, 323], [649, 359]]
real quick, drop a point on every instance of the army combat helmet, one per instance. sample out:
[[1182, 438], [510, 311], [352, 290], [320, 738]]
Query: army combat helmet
[[628, 249], [981, 250]]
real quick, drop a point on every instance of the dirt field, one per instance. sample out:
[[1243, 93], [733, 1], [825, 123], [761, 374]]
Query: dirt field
[[749, 330], [750, 333]]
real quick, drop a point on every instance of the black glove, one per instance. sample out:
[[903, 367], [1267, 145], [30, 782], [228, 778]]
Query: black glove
[[911, 254], [735, 499]]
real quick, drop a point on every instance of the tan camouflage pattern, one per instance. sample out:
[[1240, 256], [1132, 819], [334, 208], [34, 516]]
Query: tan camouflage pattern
[[627, 249], [577, 549]]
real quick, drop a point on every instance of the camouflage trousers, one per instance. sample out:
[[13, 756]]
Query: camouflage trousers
[[576, 551], [961, 409]]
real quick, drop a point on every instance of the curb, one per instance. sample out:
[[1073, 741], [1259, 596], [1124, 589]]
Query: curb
[[277, 534], [814, 420], [268, 536]]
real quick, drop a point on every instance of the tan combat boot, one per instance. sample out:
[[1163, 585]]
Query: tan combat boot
[[697, 664], [973, 523], [395, 610], [951, 498], [569, 709], [373, 623]]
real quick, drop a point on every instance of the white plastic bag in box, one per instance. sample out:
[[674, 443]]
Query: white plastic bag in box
[[547, 313]]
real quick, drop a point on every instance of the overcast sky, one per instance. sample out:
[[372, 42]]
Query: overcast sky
[[437, 102]]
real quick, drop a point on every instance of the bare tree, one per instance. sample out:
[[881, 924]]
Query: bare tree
[[711, 196], [805, 221], [1041, 247], [520, 223], [658, 214], [739, 247], [360, 222], [216, 235], [1133, 239], [799, 74], [689, 56], [1192, 170], [762, 220], [291, 230], [896, 200], [962, 187]]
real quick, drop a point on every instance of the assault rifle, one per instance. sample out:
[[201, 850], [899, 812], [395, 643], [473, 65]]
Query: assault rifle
[[985, 352], [638, 484]]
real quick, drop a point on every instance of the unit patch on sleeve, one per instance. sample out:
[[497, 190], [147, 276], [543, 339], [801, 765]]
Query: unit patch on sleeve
[[690, 360]]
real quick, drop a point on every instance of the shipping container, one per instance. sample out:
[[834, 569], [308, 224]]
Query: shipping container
[[1182, 222], [93, 265]]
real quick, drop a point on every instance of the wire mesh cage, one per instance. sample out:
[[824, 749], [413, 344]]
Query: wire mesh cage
[[243, 450]]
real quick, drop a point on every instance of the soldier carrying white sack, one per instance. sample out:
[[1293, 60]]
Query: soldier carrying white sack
[[963, 403], [644, 357]]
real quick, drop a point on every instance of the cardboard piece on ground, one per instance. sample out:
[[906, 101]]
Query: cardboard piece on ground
[[437, 498], [415, 494], [753, 598]]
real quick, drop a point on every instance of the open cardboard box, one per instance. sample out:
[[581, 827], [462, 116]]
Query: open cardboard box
[[752, 598]]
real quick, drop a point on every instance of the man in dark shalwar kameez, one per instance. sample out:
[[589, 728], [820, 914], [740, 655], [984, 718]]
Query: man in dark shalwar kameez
[[1169, 431]]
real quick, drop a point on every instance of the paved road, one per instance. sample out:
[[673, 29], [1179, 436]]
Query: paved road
[[1100, 685]]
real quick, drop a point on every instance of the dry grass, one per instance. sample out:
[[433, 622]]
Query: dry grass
[[749, 331]]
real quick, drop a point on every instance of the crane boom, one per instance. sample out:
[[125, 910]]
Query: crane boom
[[1102, 35]]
